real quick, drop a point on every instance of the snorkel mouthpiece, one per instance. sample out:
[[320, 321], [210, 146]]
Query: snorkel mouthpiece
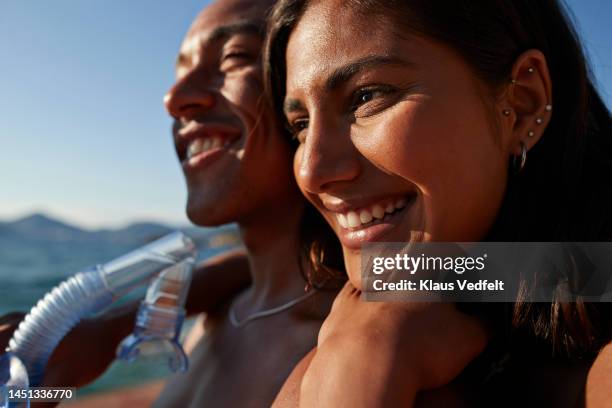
[[160, 316]]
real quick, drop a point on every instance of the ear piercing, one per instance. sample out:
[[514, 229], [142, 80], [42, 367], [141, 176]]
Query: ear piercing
[[530, 70], [531, 133], [506, 112], [548, 108], [518, 162]]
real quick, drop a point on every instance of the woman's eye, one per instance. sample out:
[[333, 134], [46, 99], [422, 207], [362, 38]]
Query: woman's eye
[[297, 128], [367, 95]]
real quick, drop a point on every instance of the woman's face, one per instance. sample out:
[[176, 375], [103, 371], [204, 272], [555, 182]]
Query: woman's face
[[396, 140]]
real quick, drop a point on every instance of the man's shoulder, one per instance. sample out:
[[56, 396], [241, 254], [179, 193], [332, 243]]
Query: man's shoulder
[[235, 259]]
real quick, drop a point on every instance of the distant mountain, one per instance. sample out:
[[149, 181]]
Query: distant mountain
[[42, 228]]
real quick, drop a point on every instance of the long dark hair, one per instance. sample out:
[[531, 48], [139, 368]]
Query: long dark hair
[[560, 195]]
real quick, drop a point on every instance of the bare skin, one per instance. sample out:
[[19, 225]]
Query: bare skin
[[244, 178], [599, 381]]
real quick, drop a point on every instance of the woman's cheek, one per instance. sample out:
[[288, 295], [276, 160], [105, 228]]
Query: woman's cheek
[[403, 142]]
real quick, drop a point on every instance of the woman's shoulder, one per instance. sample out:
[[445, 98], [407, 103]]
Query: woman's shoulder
[[598, 390]]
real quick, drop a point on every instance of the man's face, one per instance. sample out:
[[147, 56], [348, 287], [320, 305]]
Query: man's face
[[227, 141]]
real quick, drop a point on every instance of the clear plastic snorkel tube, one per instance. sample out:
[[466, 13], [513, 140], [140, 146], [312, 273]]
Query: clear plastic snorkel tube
[[159, 318]]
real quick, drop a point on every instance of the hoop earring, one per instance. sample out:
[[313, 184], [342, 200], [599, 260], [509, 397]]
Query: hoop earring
[[518, 161]]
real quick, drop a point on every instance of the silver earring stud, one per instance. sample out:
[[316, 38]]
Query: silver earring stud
[[513, 81], [531, 133], [506, 112], [539, 121], [548, 108], [530, 70]]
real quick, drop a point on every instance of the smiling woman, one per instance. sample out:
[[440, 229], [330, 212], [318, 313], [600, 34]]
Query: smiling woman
[[471, 121]]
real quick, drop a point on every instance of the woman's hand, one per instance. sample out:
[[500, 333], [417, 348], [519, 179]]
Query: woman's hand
[[373, 354]]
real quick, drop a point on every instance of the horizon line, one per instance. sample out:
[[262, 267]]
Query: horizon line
[[6, 218]]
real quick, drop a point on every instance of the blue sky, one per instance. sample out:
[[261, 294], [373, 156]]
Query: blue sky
[[83, 130]]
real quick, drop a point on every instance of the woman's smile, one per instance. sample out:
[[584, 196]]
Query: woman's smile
[[366, 220]]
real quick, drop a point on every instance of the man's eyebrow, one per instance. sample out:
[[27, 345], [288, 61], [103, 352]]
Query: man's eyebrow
[[241, 27], [345, 73]]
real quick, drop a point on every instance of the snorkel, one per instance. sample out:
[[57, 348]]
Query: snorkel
[[89, 292]]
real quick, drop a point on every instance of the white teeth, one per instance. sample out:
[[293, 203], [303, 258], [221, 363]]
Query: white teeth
[[378, 212], [365, 216], [216, 143], [342, 220], [206, 145], [194, 148], [353, 219]]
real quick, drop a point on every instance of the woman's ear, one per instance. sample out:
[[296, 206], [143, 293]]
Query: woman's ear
[[527, 104]]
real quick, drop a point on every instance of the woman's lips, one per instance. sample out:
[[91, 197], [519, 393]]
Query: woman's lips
[[355, 227]]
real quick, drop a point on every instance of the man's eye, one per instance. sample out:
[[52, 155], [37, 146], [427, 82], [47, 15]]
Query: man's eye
[[236, 55], [236, 59]]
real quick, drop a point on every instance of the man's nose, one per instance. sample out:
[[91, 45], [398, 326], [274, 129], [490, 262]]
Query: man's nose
[[189, 97], [327, 157]]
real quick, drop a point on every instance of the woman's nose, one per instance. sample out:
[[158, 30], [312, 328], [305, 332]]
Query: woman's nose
[[326, 158]]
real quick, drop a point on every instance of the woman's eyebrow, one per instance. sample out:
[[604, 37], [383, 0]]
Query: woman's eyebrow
[[292, 105], [343, 74], [346, 72]]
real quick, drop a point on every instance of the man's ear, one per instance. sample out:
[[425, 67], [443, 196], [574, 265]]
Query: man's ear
[[527, 104]]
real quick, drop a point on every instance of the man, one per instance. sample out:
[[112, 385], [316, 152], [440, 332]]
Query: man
[[238, 168]]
